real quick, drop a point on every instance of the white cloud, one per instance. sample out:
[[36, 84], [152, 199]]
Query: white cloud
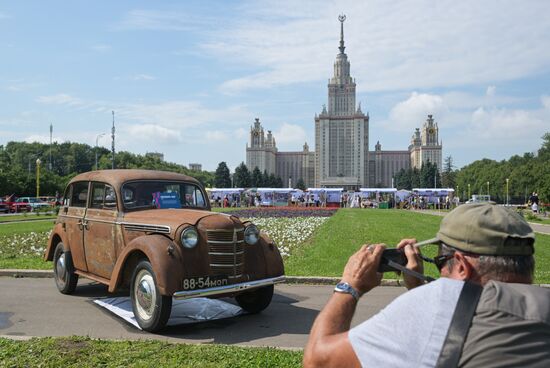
[[139, 77], [545, 101], [152, 132], [217, 136], [241, 133], [45, 139], [408, 114], [290, 135], [60, 99], [491, 90], [395, 45], [101, 48], [157, 20]]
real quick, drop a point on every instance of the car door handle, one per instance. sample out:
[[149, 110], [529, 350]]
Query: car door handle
[[82, 224]]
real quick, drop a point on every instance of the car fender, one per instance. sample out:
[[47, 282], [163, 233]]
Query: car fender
[[163, 254], [273, 260], [58, 234]]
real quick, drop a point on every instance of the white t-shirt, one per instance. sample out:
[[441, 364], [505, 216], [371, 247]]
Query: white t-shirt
[[411, 330]]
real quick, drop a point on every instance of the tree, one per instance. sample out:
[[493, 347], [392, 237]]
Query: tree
[[448, 177], [256, 180], [300, 184], [222, 177], [241, 177]]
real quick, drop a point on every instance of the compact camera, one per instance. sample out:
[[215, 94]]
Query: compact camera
[[393, 254]]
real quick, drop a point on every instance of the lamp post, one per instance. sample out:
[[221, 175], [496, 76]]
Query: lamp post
[[468, 191], [96, 141], [488, 192], [507, 186], [38, 177]]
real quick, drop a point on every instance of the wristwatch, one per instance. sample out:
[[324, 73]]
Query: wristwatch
[[345, 288]]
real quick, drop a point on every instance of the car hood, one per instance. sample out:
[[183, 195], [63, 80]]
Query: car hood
[[169, 217]]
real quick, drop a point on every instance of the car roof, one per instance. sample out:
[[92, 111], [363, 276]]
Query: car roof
[[119, 176]]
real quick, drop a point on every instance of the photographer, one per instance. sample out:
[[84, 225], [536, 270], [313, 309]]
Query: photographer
[[479, 244]]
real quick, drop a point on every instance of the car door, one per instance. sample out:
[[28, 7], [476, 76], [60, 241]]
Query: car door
[[72, 217], [101, 238]]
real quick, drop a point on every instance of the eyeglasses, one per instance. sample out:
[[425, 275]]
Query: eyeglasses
[[438, 261]]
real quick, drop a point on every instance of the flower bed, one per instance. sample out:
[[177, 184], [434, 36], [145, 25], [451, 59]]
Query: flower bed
[[288, 233], [23, 245], [287, 212]]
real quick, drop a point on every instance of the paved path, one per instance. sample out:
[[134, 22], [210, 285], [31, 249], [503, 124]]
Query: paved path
[[34, 307], [538, 228]]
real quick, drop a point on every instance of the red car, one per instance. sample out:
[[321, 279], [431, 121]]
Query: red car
[[4, 206], [15, 206]]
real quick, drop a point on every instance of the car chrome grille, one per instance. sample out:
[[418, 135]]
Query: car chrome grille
[[226, 250]]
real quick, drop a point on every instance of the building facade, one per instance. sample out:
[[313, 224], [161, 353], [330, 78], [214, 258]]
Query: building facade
[[342, 158], [341, 131], [262, 151], [426, 146]]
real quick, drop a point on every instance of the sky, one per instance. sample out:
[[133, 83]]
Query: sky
[[188, 78]]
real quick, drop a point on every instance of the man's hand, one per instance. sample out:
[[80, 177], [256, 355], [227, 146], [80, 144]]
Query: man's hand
[[361, 270], [414, 262]]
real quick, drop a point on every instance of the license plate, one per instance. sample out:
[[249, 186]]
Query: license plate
[[205, 282]]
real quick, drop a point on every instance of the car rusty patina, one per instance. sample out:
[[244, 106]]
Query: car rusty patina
[[153, 232]]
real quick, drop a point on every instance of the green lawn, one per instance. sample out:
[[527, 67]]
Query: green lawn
[[26, 217], [26, 227], [86, 352], [326, 253]]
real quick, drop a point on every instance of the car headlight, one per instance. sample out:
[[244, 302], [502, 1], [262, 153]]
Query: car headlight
[[189, 237], [251, 234]]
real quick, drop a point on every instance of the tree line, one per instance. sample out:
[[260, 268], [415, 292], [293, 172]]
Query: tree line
[[515, 178], [60, 162], [511, 180], [244, 178]]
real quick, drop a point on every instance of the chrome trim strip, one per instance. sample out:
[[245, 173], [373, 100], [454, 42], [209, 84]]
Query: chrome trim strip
[[224, 254], [227, 289], [145, 227], [98, 220], [226, 265], [224, 241], [71, 216], [224, 230]]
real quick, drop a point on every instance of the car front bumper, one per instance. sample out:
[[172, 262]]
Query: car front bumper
[[228, 289]]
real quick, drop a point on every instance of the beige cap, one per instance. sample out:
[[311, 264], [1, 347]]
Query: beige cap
[[484, 228]]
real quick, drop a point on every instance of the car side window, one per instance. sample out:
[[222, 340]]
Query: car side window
[[79, 194], [103, 196]]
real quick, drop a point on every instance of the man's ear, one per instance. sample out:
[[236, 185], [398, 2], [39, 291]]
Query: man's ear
[[462, 268]]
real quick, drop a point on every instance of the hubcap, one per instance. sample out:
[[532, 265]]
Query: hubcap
[[60, 267], [145, 294]]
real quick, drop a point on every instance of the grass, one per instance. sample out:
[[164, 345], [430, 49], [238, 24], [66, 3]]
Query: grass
[[25, 227], [323, 254], [27, 217], [86, 352], [326, 253]]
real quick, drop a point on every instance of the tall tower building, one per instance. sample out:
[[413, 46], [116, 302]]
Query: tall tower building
[[262, 150], [342, 131], [425, 145]]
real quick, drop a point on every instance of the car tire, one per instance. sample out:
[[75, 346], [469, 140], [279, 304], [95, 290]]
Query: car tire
[[257, 300], [63, 270], [151, 309]]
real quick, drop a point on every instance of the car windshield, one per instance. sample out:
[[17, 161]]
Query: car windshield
[[152, 194]]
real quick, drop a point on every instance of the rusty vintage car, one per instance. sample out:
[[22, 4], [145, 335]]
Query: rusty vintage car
[[153, 233]]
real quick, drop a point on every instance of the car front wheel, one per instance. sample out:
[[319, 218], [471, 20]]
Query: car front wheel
[[63, 270], [151, 309], [257, 300]]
